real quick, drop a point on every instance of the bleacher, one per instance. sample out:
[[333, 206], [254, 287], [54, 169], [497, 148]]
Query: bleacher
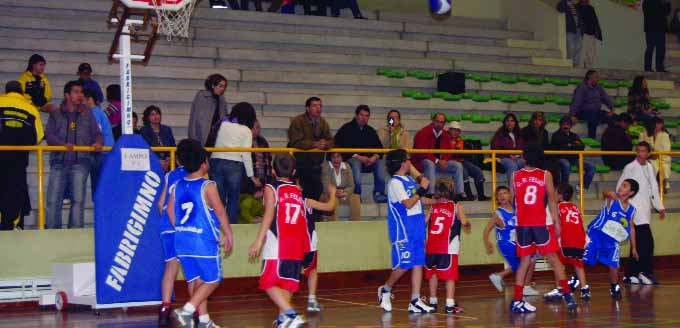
[[276, 61]]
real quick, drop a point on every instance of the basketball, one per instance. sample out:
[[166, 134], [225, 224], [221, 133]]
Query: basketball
[[440, 7]]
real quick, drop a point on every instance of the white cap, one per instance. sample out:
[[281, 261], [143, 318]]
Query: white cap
[[454, 125]]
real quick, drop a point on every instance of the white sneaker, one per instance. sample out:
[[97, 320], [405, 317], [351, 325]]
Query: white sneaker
[[209, 324], [418, 306], [385, 299], [530, 291], [313, 306], [497, 282], [644, 279], [634, 280], [294, 322], [522, 307]]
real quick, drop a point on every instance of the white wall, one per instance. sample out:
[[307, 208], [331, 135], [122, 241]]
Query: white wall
[[533, 15]]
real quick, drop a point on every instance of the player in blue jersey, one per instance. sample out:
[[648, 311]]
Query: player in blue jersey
[[406, 228], [505, 222], [613, 226], [195, 209]]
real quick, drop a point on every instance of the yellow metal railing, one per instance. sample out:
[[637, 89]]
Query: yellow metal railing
[[493, 153]]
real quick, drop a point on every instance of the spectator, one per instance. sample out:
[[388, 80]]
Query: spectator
[[310, 131], [358, 134], [320, 7], [338, 172], [71, 125], [655, 12], [615, 137], [675, 24], [639, 106], [352, 4], [564, 139], [157, 134], [433, 136], [258, 4], [588, 100], [135, 120], [574, 34], [207, 110], [509, 137], [590, 28], [262, 162], [85, 78], [92, 105], [469, 168], [112, 111], [21, 126], [35, 85], [535, 131], [251, 207], [227, 169], [394, 135], [655, 134]]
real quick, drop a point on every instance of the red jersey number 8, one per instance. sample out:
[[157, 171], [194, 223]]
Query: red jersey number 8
[[530, 195]]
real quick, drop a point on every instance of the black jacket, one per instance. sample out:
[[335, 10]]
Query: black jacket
[[351, 136], [571, 21], [539, 137], [655, 12], [616, 138], [589, 23], [566, 141]]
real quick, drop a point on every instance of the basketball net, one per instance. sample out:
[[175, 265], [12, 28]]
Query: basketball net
[[174, 23]]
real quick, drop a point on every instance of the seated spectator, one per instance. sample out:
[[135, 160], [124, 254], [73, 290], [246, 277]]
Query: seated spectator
[[227, 168], [587, 103], [352, 4], [433, 136], [639, 106], [157, 134], [338, 172], [35, 85], [85, 78], [113, 109], [207, 110], [564, 139], [135, 121], [656, 135], [262, 162], [535, 131], [394, 135], [244, 4], [615, 137], [469, 168], [509, 137], [92, 105], [20, 126], [358, 134], [251, 207]]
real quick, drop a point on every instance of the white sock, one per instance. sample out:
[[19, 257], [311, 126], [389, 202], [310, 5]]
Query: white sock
[[450, 302], [433, 300], [189, 308], [204, 318], [415, 297], [311, 298]]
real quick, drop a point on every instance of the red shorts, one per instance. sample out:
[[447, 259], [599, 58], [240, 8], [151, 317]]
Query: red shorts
[[571, 256], [532, 240], [309, 262], [444, 266], [284, 274]]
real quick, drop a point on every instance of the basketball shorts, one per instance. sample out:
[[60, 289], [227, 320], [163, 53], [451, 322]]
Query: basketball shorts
[[284, 274], [406, 255], [532, 240], [602, 251], [509, 252], [443, 266], [208, 269], [572, 256], [168, 243], [309, 262]]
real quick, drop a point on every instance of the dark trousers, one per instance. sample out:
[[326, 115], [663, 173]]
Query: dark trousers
[[593, 119], [645, 248], [13, 196], [320, 7], [352, 4], [258, 4], [310, 181], [97, 162], [655, 40]]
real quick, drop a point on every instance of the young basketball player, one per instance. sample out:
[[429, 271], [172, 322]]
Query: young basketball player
[[443, 244], [533, 190], [196, 211], [406, 229], [285, 235], [613, 226], [572, 240], [505, 222]]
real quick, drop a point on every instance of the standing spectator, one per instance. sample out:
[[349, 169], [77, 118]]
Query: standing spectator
[[564, 139], [469, 168], [157, 134], [574, 34], [639, 106], [615, 137], [655, 134], [352, 4], [675, 24], [358, 134], [433, 136], [339, 173], [310, 131], [535, 131], [35, 85], [590, 27], [21, 126], [71, 125], [641, 270], [394, 135], [588, 100], [320, 7], [262, 162], [112, 110], [509, 137], [207, 110], [85, 78], [655, 12], [105, 127], [227, 169]]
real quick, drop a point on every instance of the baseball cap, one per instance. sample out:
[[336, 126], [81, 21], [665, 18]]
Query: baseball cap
[[84, 67], [455, 125]]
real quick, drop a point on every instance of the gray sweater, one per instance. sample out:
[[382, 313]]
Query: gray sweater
[[202, 110]]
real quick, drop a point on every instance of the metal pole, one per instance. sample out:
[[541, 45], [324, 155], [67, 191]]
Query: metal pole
[[126, 78], [172, 159], [661, 179], [41, 189], [493, 181], [580, 180]]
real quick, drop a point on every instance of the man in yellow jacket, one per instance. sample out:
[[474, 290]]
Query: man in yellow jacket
[[19, 125], [34, 83]]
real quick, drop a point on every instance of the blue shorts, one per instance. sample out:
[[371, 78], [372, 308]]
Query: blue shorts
[[209, 269], [607, 252], [509, 252], [168, 242], [406, 255]]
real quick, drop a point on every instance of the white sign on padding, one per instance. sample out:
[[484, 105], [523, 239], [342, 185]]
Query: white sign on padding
[[135, 159]]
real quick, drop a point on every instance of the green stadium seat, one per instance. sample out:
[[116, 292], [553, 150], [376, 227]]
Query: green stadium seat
[[574, 169], [510, 99], [524, 117], [574, 81], [468, 95], [413, 72], [675, 167], [451, 97], [466, 117], [620, 103], [409, 93], [425, 76], [485, 142], [635, 130], [480, 119], [675, 145], [609, 84], [496, 117], [383, 71], [590, 142], [440, 94], [601, 168], [422, 96], [560, 82], [535, 100], [535, 81], [481, 98], [396, 75], [453, 118]]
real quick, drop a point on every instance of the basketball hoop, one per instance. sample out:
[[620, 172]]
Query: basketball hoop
[[174, 16]]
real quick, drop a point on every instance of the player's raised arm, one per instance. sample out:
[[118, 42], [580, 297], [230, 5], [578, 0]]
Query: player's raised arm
[[493, 222], [214, 201], [267, 219], [327, 206]]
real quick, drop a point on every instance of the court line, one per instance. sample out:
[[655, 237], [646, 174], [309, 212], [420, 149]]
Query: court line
[[376, 306]]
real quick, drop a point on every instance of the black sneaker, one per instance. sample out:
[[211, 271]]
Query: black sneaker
[[164, 316], [455, 309], [585, 293], [615, 291], [574, 283]]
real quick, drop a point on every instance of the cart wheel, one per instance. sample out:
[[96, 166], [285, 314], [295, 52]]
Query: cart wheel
[[60, 301]]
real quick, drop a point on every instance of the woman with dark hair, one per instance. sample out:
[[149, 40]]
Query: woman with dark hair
[[535, 131], [509, 137], [655, 134], [157, 134], [638, 100], [227, 168], [207, 110], [34, 83], [394, 135]]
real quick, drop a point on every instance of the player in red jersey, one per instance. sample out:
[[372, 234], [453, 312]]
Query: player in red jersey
[[443, 244], [533, 189], [286, 238]]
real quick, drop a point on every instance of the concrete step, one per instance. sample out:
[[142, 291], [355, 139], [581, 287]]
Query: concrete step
[[450, 21]]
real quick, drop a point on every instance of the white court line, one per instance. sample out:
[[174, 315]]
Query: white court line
[[376, 306]]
